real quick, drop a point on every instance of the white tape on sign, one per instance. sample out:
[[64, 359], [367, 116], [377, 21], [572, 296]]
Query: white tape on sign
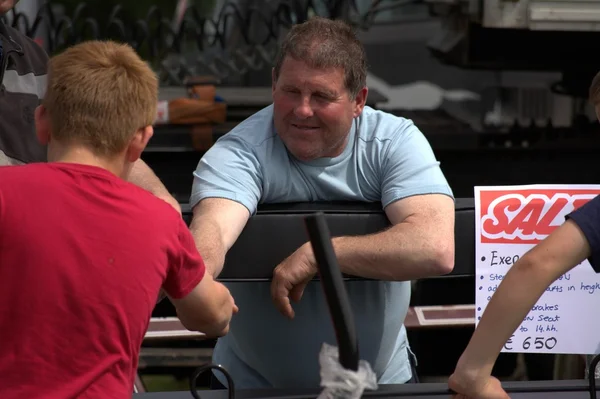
[[442, 315], [169, 327], [162, 112]]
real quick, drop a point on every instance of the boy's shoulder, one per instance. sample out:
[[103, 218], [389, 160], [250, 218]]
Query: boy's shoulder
[[50, 175], [155, 204], [22, 170], [156, 208]]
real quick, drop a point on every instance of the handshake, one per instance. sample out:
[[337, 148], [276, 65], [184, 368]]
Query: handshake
[[208, 308]]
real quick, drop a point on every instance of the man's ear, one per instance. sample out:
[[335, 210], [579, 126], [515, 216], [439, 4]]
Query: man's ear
[[138, 143], [360, 100], [273, 79], [42, 125]]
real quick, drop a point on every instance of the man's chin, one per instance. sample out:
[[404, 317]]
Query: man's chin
[[304, 155]]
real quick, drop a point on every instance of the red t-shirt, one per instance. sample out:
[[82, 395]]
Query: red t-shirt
[[83, 255]]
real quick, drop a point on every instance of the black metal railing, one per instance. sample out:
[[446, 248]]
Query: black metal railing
[[231, 42]]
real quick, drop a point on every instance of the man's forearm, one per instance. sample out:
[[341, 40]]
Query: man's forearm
[[142, 176], [400, 253], [207, 237]]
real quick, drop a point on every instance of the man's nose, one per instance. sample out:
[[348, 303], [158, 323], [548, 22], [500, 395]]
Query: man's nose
[[303, 110]]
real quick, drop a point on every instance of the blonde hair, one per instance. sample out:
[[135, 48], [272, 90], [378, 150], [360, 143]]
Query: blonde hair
[[99, 94]]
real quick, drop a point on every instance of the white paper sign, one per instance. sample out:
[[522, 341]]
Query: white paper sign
[[510, 220]]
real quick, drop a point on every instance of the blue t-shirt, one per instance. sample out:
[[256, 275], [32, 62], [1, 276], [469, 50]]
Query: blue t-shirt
[[587, 217], [387, 158]]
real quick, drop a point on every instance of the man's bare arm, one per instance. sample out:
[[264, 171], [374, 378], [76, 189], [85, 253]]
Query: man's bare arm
[[419, 244], [216, 225], [142, 176]]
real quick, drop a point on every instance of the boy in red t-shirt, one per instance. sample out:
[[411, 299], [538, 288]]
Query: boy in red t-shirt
[[84, 253]]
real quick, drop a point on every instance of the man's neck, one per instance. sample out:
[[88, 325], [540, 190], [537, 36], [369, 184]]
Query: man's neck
[[83, 156]]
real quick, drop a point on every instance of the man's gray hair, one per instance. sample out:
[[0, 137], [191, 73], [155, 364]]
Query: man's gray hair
[[324, 43]]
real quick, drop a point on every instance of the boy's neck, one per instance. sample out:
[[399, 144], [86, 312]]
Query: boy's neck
[[83, 156]]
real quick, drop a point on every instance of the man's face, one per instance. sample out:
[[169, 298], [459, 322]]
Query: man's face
[[313, 111], [6, 5]]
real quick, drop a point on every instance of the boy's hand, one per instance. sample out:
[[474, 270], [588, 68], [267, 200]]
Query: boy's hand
[[234, 309]]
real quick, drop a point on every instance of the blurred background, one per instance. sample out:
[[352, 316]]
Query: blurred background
[[499, 87]]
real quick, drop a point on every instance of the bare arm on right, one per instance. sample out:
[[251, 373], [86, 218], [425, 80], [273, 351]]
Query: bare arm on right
[[216, 225]]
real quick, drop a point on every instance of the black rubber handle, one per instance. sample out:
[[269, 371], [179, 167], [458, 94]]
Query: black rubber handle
[[335, 291], [592, 376], [211, 366]]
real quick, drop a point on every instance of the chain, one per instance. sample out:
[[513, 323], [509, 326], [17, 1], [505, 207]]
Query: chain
[[237, 40]]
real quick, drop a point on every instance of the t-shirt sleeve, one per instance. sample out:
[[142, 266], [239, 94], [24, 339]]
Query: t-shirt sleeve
[[410, 167], [587, 218], [230, 170], [186, 268]]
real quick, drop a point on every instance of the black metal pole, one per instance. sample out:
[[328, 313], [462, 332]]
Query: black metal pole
[[335, 291], [592, 376]]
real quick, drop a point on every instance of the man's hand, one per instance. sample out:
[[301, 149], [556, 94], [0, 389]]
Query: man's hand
[[475, 388], [290, 278]]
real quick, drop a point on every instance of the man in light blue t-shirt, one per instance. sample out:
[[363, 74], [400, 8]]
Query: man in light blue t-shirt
[[318, 142]]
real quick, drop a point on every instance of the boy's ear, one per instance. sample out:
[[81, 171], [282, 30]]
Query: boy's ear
[[42, 125], [139, 142]]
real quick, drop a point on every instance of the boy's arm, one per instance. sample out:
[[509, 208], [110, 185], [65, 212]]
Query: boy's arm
[[202, 304], [208, 308]]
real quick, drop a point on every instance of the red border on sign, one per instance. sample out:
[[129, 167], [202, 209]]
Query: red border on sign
[[526, 216]]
